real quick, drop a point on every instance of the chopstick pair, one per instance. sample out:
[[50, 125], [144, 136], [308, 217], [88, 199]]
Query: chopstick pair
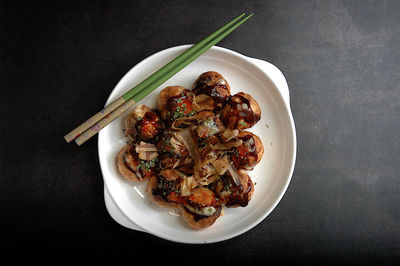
[[98, 121]]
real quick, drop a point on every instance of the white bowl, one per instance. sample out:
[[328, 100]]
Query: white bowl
[[128, 202]]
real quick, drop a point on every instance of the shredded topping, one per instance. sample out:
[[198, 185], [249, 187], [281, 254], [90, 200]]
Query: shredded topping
[[185, 136], [221, 165], [235, 174], [146, 151], [202, 102], [187, 185], [229, 134]]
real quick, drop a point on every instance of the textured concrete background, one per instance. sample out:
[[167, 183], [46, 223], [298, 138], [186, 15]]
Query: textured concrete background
[[342, 63]]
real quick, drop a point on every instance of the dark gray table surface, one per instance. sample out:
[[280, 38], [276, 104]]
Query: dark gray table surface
[[59, 62]]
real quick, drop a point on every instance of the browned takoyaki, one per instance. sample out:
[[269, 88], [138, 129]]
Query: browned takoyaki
[[208, 125], [215, 86], [142, 123], [173, 151], [240, 112], [165, 189], [247, 155], [234, 192], [202, 208], [168, 143], [135, 164], [175, 102]]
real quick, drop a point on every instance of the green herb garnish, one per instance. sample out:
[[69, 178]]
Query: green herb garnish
[[146, 165]]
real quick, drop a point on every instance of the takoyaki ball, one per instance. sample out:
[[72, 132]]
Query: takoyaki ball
[[208, 125], [202, 208], [175, 102], [164, 189], [233, 195], [247, 155], [133, 168], [142, 123], [241, 112], [214, 85], [168, 143]]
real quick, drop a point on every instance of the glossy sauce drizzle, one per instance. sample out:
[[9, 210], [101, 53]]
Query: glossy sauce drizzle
[[241, 156], [239, 111], [149, 126], [237, 195], [214, 91], [240, 196], [179, 106]]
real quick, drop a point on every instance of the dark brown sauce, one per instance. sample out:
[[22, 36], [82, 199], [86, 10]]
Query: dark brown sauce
[[149, 126], [240, 110], [240, 156], [240, 197], [213, 91], [237, 196], [149, 118], [179, 105]]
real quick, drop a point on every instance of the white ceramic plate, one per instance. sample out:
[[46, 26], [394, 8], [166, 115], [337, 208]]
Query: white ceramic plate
[[271, 176]]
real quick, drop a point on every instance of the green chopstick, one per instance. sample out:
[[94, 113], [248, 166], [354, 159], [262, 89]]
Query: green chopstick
[[145, 83], [173, 71], [94, 124], [159, 73]]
